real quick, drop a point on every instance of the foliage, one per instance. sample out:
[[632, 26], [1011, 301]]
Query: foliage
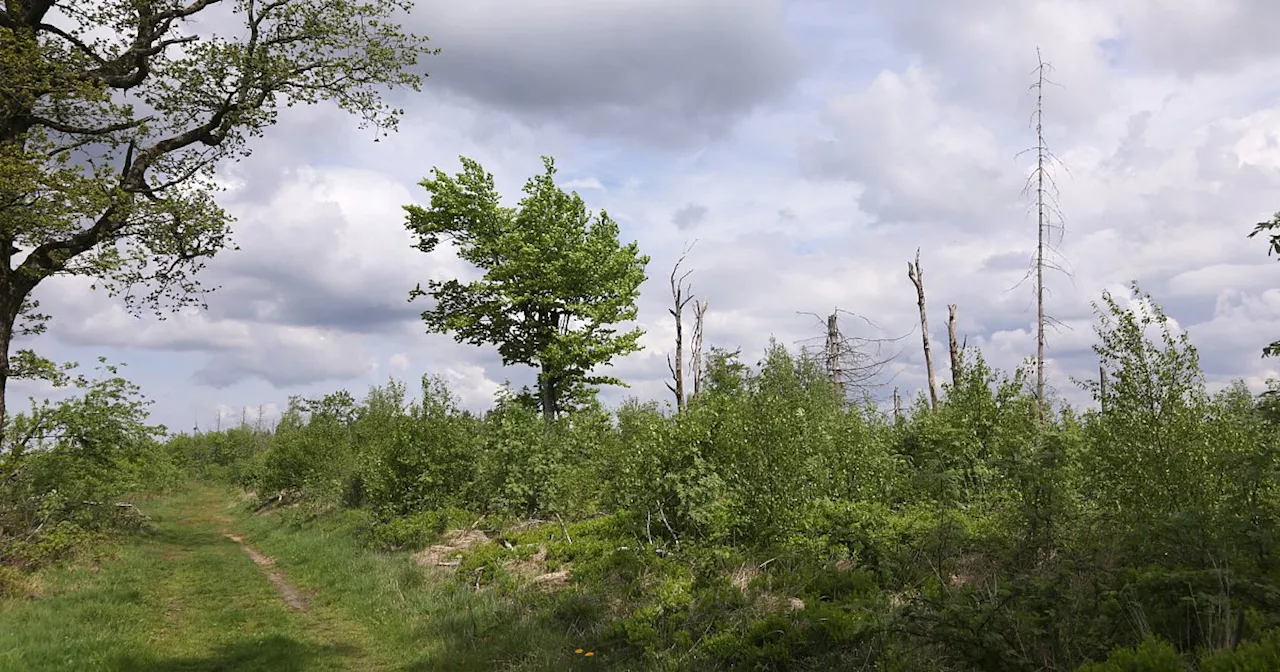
[[1271, 226], [771, 524], [556, 279], [117, 113], [67, 461]]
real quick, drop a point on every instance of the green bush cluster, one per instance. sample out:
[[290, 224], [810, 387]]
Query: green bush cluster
[[774, 524]]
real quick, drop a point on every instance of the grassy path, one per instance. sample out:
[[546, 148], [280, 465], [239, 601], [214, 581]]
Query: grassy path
[[183, 598], [208, 590]]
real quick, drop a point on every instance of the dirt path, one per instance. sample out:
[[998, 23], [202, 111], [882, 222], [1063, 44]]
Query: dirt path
[[290, 594], [182, 597]]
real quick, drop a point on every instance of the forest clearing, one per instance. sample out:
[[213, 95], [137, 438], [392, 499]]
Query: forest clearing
[[591, 465]]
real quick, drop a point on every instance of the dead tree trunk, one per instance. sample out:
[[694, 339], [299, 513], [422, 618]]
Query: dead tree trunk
[[897, 406], [1046, 191], [695, 357], [681, 296], [832, 350], [953, 346], [916, 274]]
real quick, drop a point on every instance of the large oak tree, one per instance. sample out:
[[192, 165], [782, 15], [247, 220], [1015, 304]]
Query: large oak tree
[[115, 113]]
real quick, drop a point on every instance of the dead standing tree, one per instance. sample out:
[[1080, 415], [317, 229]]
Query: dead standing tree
[[852, 363], [695, 357], [1042, 185], [916, 274], [953, 345], [681, 295]]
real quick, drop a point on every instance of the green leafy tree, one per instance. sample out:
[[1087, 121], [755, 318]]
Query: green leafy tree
[[556, 279], [1274, 247], [114, 115]]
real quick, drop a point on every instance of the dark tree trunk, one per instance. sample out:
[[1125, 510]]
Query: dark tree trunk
[[547, 395], [11, 299]]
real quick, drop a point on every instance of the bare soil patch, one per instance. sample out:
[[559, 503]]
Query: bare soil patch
[[454, 543], [288, 592]]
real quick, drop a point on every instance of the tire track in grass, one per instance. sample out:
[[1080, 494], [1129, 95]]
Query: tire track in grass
[[288, 592]]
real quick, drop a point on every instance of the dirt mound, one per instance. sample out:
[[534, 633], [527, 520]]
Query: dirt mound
[[445, 554]]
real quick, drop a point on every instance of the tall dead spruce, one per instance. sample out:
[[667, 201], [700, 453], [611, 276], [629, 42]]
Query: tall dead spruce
[[1041, 184], [916, 274]]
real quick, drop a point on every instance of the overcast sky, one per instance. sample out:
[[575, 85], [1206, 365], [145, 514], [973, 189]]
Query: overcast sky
[[809, 146]]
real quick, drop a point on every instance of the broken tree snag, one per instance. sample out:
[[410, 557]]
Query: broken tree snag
[[851, 363], [897, 406], [916, 274], [681, 296], [695, 357], [832, 351], [953, 345]]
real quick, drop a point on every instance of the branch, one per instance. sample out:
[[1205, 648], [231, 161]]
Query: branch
[[83, 130]]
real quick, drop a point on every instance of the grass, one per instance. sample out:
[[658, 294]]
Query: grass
[[185, 597]]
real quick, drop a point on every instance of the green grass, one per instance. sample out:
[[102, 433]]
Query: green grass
[[187, 598]]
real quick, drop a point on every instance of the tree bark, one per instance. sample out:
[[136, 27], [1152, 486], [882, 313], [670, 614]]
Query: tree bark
[[916, 274], [695, 357], [833, 352], [547, 395]]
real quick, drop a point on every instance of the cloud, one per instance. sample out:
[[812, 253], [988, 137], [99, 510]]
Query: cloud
[[810, 148], [917, 160], [689, 216], [667, 72]]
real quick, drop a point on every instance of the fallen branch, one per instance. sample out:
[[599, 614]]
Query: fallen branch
[[564, 529]]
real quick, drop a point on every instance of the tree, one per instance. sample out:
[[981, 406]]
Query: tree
[[1274, 247], [851, 363], [556, 279], [681, 295], [1048, 217], [115, 114], [915, 273]]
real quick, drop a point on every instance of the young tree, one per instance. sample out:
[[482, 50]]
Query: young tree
[[556, 279], [114, 115]]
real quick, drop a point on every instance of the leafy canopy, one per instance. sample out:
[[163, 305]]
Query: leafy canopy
[[556, 279], [1274, 247], [114, 115]]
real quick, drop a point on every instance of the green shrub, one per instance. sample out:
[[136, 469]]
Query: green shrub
[[1152, 655], [1259, 656]]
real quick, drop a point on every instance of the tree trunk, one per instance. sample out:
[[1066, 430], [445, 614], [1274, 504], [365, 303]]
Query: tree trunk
[[9, 309], [916, 274], [547, 395], [897, 406], [833, 353], [954, 346], [1102, 386], [680, 297], [695, 357]]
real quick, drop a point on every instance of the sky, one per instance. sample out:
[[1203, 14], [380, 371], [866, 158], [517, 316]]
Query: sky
[[809, 147]]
